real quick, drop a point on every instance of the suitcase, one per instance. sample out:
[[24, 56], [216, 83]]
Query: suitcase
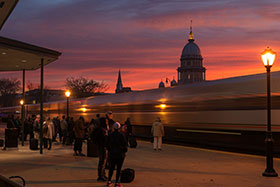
[[132, 142], [33, 144], [11, 137], [67, 141], [1, 143], [92, 149], [127, 175]]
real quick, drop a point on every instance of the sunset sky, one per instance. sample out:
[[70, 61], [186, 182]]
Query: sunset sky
[[145, 38]]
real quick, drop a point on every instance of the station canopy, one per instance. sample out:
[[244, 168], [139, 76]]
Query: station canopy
[[6, 8], [17, 56]]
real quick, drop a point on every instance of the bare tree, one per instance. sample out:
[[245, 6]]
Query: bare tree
[[9, 86], [83, 87], [35, 86], [8, 90]]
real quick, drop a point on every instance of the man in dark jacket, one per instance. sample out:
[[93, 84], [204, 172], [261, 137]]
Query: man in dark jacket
[[102, 139], [117, 146], [109, 117], [79, 130]]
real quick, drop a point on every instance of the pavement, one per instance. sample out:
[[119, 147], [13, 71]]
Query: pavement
[[173, 166]]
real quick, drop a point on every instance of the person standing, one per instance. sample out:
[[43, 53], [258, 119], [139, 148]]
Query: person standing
[[102, 133], [36, 127], [79, 130], [70, 130], [128, 131], [117, 147], [109, 117], [158, 133], [64, 127], [48, 131]]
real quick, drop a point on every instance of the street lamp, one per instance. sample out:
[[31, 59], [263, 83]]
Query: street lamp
[[67, 94], [21, 102], [268, 57]]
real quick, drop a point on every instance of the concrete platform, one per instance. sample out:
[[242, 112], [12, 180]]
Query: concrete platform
[[174, 166]]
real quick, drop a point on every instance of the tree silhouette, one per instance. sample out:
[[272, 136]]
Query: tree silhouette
[[83, 87]]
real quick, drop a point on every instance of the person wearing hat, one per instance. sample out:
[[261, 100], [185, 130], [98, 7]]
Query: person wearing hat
[[117, 147], [109, 117]]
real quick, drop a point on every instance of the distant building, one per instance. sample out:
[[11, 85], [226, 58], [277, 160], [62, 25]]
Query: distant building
[[119, 87], [161, 84], [33, 96], [173, 82], [191, 69]]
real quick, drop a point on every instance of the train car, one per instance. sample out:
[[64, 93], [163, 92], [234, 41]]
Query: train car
[[227, 113]]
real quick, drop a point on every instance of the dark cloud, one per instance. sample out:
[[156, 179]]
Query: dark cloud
[[98, 37]]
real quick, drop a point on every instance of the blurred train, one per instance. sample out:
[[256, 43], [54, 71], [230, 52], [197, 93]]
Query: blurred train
[[228, 113]]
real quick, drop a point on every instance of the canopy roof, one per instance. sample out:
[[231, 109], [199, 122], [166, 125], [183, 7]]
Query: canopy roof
[[16, 55], [6, 8]]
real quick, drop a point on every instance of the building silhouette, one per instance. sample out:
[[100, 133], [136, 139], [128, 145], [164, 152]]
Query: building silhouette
[[191, 69], [119, 87]]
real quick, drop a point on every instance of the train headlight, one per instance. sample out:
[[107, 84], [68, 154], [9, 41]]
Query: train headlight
[[162, 106]]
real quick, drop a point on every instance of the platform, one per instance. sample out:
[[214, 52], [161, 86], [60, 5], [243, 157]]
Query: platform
[[173, 166]]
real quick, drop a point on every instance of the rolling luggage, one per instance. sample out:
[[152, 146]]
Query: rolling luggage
[[11, 137], [1, 143], [127, 175], [92, 149], [33, 145], [132, 142]]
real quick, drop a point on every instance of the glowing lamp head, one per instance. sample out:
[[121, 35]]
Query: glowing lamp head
[[162, 106], [21, 102], [268, 57], [67, 93]]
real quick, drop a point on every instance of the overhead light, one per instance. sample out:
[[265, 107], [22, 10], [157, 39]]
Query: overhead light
[[24, 61], [4, 53]]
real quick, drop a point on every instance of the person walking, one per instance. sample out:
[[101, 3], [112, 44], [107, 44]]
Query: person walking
[[117, 147], [79, 130], [158, 133]]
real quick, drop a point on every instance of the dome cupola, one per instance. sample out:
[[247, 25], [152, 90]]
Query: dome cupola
[[161, 84], [191, 49]]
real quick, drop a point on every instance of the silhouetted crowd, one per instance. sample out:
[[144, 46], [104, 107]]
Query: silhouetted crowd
[[110, 137]]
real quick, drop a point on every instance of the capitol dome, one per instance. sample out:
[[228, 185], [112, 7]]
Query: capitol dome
[[191, 49]]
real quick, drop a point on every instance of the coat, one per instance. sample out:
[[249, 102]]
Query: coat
[[79, 129], [50, 132], [157, 129]]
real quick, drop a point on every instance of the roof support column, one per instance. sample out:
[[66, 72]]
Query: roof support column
[[41, 105], [22, 107], [178, 76], [204, 75]]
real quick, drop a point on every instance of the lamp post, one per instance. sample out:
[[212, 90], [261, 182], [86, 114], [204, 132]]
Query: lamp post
[[268, 57], [22, 118], [67, 94]]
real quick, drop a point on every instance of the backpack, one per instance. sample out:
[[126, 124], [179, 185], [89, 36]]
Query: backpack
[[45, 128], [127, 175]]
